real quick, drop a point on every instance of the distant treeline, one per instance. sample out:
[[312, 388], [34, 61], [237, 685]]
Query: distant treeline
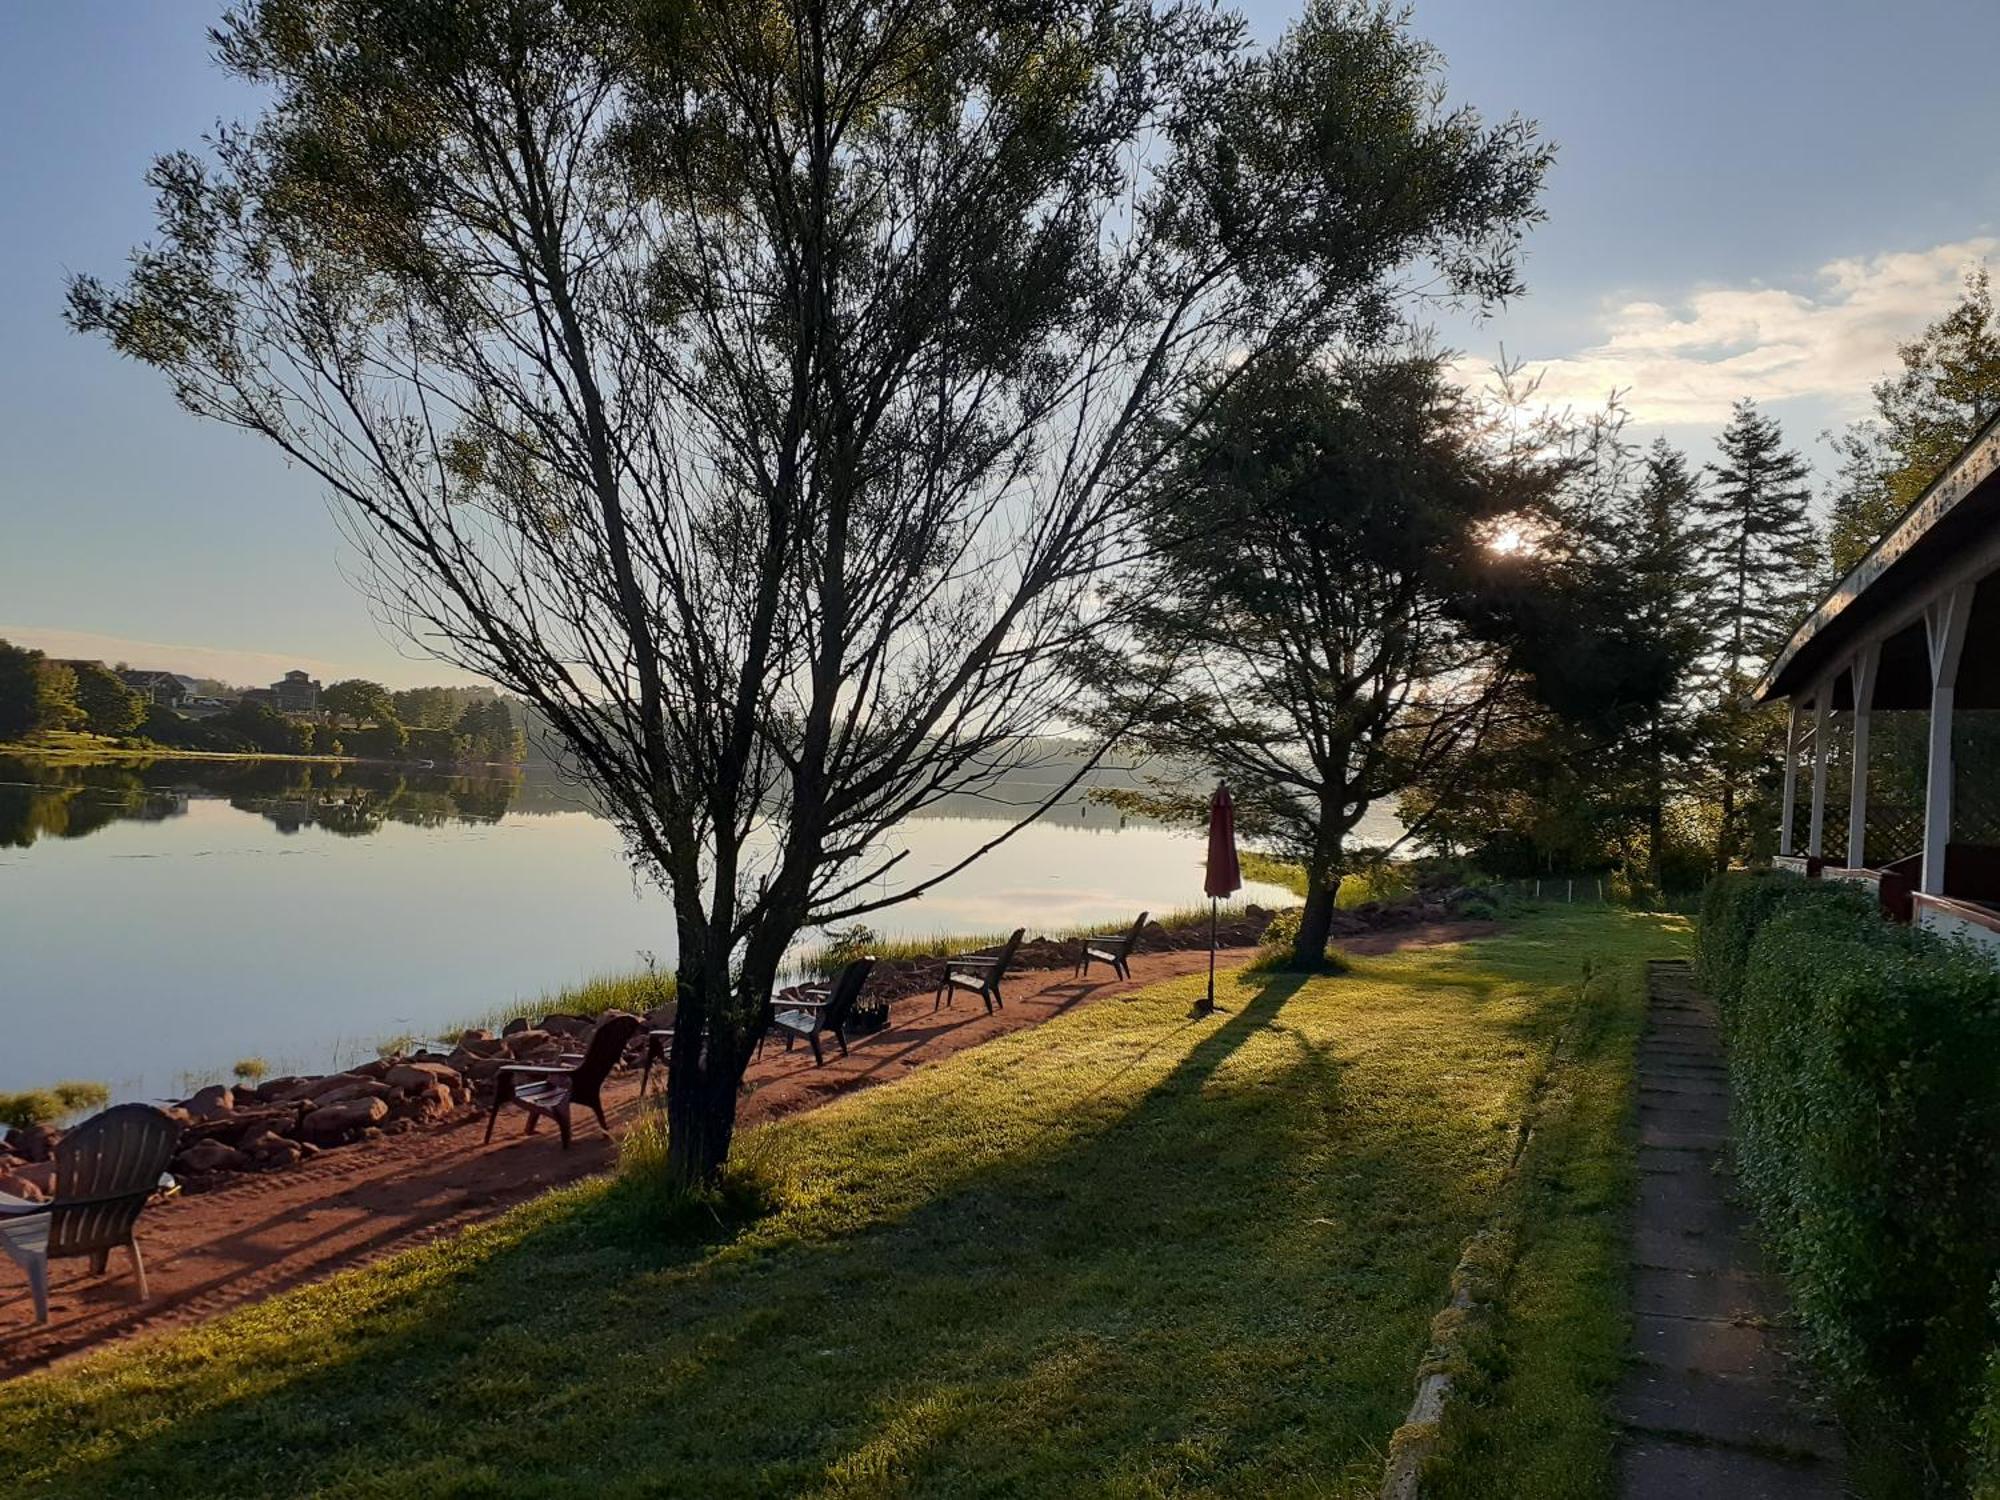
[[448, 725]]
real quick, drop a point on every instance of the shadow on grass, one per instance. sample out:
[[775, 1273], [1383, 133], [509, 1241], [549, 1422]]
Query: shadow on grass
[[1222, 1287]]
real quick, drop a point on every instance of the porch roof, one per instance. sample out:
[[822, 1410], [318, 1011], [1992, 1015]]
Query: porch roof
[[1950, 535]]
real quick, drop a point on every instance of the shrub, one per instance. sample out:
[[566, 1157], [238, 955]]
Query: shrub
[[51, 1105], [1865, 1063], [30, 1107], [250, 1069]]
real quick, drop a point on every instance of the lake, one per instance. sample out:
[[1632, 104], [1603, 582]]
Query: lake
[[159, 921]]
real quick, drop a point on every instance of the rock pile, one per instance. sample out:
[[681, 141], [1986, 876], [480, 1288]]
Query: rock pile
[[277, 1124]]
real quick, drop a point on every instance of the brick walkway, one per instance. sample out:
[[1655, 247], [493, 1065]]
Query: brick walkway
[[1712, 1403]]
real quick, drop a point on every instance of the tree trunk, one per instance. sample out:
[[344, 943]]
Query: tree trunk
[[1323, 872], [1316, 921], [715, 1032]]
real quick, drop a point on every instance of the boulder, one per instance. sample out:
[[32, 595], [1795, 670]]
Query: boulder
[[211, 1156], [27, 1182], [482, 1068], [376, 1069], [274, 1153], [561, 1024], [361, 1088], [518, 1024], [415, 1077], [33, 1142], [433, 1102], [211, 1103], [276, 1090], [334, 1122], [481, 1046], [525, 1043]]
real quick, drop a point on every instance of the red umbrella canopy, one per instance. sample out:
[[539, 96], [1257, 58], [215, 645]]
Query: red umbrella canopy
[[1225, 876]]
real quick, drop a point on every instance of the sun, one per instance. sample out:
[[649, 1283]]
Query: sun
[[1511, 536], [1506, 541]]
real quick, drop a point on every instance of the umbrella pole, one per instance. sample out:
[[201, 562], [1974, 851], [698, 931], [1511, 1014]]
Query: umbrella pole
[[1211, 954]]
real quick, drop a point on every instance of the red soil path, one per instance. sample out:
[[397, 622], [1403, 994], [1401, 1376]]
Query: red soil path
[[213, 1252]]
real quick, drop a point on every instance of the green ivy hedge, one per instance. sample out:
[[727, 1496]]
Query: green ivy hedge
[[1864, 1059]]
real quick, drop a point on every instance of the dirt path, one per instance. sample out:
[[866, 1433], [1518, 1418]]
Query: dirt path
[[214, 1252]]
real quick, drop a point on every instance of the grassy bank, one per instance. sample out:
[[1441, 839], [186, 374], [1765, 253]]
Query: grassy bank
[[1122, 1252], [59, 747]]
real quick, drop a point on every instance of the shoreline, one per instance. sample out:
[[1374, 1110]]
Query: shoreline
[[93, 754]]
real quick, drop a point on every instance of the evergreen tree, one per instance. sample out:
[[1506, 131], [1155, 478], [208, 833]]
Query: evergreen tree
[[1661, 555], [1758, 544], [1948, 388]]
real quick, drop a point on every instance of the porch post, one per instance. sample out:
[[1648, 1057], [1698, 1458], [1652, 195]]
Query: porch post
[[1944, 627], [1791, 780], [1817, 824], [1862, 676]]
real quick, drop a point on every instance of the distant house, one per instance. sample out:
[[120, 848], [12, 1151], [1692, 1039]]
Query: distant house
[[161, 689], [296, 694], [260, 697]]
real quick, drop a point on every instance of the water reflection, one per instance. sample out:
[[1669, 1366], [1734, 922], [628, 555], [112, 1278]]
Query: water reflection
[[73, 801]]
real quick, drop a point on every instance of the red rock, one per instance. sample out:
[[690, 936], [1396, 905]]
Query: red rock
[[526, 1043], [34, 1142], [361, 1088], [481, 1046], [331, 1122], [210, 1156], [211, 1103], [274, 1152], [415, 1077], [21, 1185]]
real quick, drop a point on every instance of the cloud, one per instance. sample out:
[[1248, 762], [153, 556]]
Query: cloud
[[1685, 362]]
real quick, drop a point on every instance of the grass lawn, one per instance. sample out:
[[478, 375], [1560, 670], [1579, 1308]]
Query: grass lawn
[[1120, 1253]]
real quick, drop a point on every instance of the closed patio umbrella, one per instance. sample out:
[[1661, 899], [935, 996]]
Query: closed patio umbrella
[[1225, 875]]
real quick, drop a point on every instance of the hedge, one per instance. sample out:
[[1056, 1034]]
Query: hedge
[[1864, 1059]]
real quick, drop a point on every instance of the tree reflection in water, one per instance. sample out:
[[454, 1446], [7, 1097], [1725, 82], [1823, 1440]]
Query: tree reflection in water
[[40, 801]]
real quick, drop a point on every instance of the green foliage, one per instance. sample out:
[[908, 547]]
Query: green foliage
[[52, 1105], [30, 1107], [264, 728], [358, 701], [36, 693], [250, 1069], [1865, 1063], [107, 705], [1947, 390]]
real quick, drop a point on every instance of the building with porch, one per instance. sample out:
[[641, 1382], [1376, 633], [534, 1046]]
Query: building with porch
[[1892, 766]]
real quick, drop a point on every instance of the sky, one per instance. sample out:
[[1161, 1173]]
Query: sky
[[1753, 198]]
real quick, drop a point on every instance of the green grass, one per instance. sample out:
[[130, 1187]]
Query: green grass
[[1531, 1419], [1120, 1253]]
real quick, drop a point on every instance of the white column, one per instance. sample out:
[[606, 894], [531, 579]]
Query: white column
[[1791, 782], [1816, 825], [1944, 627], [1862, 675]]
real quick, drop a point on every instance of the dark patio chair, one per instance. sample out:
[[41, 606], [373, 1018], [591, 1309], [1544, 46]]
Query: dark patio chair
[[1114, 951], [981, 973], [554, 1089], [106, 1169], [815, 1010]]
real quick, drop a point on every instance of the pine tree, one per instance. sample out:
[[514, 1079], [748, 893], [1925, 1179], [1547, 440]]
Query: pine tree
[[1758, 546], [1661, 555], [1759, 560], [1948, 388]]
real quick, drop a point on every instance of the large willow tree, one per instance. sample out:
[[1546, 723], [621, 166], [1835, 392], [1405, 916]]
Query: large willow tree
[[759, 389]]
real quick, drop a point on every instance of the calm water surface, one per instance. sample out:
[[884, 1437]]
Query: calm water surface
[[158, 922]]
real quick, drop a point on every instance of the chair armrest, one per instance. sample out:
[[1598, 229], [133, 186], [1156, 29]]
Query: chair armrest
[[972, 958], [536, 1068], [12, 1207]]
